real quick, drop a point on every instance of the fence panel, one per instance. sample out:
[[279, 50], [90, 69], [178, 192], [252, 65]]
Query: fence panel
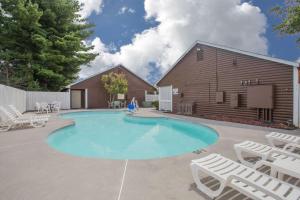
[[32, 97], [151, 97], [10, 95]]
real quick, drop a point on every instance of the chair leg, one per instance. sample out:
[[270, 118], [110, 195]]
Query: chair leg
[[238, 152], [211, 193], [280, 176], [271, 141], [274, 173]]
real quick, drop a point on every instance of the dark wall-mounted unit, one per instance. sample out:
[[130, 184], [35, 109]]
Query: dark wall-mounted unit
[[234, 100], [220, 97], [260, 96]]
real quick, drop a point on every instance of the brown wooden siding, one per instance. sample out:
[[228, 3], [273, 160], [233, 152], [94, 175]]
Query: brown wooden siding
[[200, 80], [97, 95]]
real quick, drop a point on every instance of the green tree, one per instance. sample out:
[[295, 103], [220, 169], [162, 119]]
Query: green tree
[[19, 20], [42, 43], [114, 84], [290, 15]]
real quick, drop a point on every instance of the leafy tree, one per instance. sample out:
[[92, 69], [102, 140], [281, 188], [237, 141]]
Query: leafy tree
[[42, 43], [290, 15], [114, 84]]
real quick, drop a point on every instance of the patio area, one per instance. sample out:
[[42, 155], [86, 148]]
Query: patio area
[[30, 169]]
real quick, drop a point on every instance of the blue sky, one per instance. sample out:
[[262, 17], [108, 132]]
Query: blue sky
[[121, 24], [118, 29], [281, 46]]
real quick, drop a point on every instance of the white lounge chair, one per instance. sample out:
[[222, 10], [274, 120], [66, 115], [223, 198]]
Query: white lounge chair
[[246, 180], [20, 115], [14, 122], [282, 137], [263, 151]]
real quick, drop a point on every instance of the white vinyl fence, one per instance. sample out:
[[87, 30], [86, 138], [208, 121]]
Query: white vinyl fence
[[150, 97], [10, 95], [25, 100], [48, 97]]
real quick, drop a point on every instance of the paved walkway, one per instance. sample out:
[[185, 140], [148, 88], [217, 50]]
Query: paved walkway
[[31, 170]]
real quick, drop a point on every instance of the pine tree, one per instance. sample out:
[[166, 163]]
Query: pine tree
[[42, 43]]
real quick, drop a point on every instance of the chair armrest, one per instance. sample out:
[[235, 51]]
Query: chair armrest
[[243, 180], [291, 146], [283, 152], [262, 163]]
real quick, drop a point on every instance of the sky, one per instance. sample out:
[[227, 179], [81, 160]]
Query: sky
[[148, 36]]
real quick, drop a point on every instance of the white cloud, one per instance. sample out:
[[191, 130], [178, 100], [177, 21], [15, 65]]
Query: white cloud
[[90, 6], [125, 9], [298, 60], [181, 22]]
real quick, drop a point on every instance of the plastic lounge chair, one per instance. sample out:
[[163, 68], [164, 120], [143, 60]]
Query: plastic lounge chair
[[281, 137], [246, 180], [20, 115], [14, 122], [263, 151]]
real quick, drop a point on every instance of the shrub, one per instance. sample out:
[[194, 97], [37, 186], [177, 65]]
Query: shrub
[[155, 104]]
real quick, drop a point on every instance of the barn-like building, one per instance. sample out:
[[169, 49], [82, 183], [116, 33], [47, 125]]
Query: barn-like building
[[90, 92], [215, 81]]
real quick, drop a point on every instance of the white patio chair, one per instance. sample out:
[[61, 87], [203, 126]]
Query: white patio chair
[[20, 115], [44, 107], [248, 181], [14, 122], [282, 137], [56, 106], [263, 151], [38, 107]]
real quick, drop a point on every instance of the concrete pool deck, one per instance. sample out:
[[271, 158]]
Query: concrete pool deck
[[31, 170]]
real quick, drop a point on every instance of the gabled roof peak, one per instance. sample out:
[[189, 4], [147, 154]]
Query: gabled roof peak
[[117, 66], [223, 47]]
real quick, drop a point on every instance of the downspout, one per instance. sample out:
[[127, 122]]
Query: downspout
[[296, 95]]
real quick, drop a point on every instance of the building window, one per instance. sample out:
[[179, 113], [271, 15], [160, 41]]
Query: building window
[[199, 53]]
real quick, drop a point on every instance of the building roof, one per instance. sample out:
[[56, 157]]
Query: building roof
[[118, 66], [248, 53]]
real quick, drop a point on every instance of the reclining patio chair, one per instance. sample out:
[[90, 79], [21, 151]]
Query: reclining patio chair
[[281, 137], [281, 161], [15, 122], [263, 151], [20, 115], [248, 181]]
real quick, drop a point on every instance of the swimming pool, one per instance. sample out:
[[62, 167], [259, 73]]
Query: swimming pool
[[115, 135]]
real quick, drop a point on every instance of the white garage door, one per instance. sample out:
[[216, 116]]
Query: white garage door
[[165, 98]]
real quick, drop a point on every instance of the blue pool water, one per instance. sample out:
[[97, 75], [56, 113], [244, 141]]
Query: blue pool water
[[115, 135]]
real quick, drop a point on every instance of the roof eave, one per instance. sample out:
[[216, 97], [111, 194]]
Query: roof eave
[[108, 70], [265, 57]]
